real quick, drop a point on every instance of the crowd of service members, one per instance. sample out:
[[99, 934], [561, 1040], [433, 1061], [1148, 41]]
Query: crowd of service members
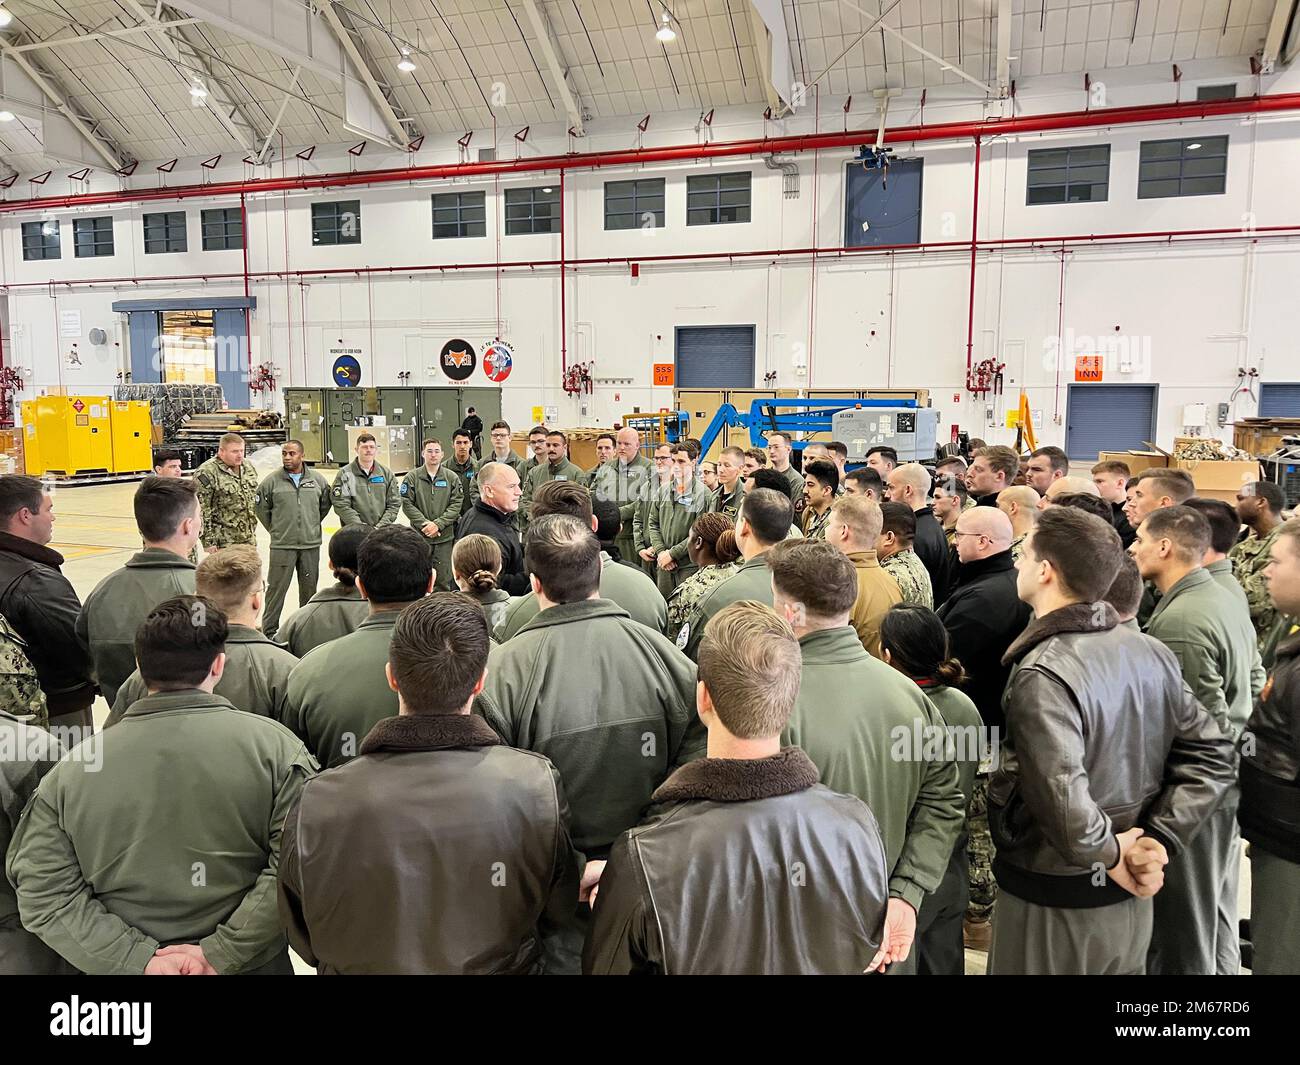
[[676, 717]]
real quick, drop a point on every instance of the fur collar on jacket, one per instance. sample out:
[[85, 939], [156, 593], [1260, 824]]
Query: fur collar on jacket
[[740, 779], [1077, 617], [428, 732]]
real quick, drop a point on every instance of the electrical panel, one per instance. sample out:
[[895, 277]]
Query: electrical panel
[[911, 431]]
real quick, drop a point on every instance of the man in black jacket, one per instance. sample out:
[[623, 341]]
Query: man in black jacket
[[1270, 779], [991, 470], [752, 812], [1109, 766], [433, 800], [910, 484], [493, 515], [40, 604]]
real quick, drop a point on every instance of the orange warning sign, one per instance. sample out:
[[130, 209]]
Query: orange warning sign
[[663, 374], [1087, 368]]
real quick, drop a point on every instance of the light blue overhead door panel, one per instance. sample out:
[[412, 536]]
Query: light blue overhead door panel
[[1108, 418], [715, 356]]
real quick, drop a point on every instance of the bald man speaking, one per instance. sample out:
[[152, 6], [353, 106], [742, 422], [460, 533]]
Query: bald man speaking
[[621, 481]]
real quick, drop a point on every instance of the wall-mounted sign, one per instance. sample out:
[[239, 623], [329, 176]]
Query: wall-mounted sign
[[498, 360], [1088, 368], [663, 375], [347, 371], [69, 323], [458, 359]]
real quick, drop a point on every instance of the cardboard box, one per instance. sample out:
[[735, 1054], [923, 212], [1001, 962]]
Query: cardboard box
[[1137, 461], [1223, 479]]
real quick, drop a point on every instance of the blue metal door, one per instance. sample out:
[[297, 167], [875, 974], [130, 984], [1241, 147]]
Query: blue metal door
[[146, 355], [1279, 399], [715, 356], [230, 331], [1108, 418]]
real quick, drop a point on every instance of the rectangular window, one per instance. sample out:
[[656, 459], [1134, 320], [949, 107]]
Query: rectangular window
[[1069, 175], [1216, 92], [164, 232], [713, 199], [534, 210], [223, 229], [41, 240], [92, 237], [1192, 166], [633, 204], [336, 223], [459, 214], [883, 207]]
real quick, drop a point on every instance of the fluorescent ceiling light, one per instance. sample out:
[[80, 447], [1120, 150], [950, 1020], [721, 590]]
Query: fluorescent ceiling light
[[6, 116], [548, 189], [665, 32], [405, 64], [6, 17], [1193, 146]]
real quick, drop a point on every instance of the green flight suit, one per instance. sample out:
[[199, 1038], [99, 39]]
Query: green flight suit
[[256, 677], [292, 514], [796, 483], [652, 491], [226, 498], [165, 829], [1249, 557], [873, 733], [729, 504], [468, 474], [436, 499], [1221, 571], [629, 588], [622, 484], [752, 580], [671, 519], [20, 687], [564, 470], [332, 612], [118, 606], [371, 498], [610, 702]]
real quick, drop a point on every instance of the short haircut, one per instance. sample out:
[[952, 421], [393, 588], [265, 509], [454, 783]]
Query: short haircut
[[430, 440], [1114, 467], [1223, 521], [1085, 502], [1054, 455], [954, 486], [816, 574], [951, 460], [438, 652], [1000, 459], [1174, 483], [343, 549], [499, 425], [556, 433], [1268, 492], [1290, 530], [862, 517], [395, 563], [294, 443], [1084, 550], [1186, 528], [607, 436], [234, 438], [736, 453], [230, 576], [785, 437], [18, 491], [768, 514], [868, 479], [757, 454], [824, 472], [899, 519], [365, 438], [536, 430], [1026, 496], [771, 480], [561, 497], [167, 454], [838, 447], [177, 643], [750, 665], [564, 556], [161, 504], [886, 451], [477, 559], [691, 447], [608, 520], [461, 432], [1125, 593]]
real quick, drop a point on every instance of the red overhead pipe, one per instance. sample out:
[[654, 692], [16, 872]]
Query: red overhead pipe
[[564, 337], [248, 310], [1117, 116], [974, 246]]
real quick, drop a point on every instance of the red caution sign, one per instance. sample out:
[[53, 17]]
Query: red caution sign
[[78, 406], [1087, 368]]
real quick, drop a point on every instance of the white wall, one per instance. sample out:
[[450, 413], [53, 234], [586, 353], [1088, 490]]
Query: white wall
[[1192, 313]]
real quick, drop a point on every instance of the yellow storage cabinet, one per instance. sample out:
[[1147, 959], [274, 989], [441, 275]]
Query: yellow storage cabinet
[[69, 435], [34, 466], [132, 433]]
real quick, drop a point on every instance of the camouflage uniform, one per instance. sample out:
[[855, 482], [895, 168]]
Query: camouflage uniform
[[979, 853], [814, 524], [227, 497], [1018, 547], [1248, 561], [687, 594], [20, 690], [911, 576]]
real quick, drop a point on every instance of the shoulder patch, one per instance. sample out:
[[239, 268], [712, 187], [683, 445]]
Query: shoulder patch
[[684, 637], [402, 490]]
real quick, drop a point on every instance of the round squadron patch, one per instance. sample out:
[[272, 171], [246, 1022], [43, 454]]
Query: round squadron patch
[[683, 637]]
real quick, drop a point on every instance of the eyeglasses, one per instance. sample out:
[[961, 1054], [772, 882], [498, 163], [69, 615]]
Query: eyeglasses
[[958, 532]]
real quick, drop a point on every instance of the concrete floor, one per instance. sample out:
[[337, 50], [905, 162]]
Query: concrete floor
[[95, 532]]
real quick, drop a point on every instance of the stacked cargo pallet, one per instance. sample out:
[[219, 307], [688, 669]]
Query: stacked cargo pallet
[[259, 428]]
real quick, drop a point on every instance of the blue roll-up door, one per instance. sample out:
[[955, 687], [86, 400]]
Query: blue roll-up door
[[232, 355], [715, 356], [1279, 400], [1108, 418], [146, 358]]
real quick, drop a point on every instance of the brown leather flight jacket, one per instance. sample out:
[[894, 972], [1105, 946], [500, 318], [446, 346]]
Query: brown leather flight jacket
[[436, 850], [748, 866]]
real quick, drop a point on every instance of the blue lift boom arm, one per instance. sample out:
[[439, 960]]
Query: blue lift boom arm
[[807, 416]]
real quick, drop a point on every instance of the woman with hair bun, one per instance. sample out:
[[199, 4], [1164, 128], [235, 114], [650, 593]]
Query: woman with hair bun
[[337, 610], [476, 564], [914, 641], [712, 547]]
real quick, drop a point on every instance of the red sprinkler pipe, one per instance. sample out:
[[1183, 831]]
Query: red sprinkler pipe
[[248, 310], [1068, 120], [564, 335], [974, 246]]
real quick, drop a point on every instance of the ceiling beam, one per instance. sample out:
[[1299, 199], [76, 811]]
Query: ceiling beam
[[874, 21], [1004, 48], [1276, 34], [943, 63], [219, 101], [763, 50], [48, 84], [83, 38], [401, 136], [550, 53], [261, 156]]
